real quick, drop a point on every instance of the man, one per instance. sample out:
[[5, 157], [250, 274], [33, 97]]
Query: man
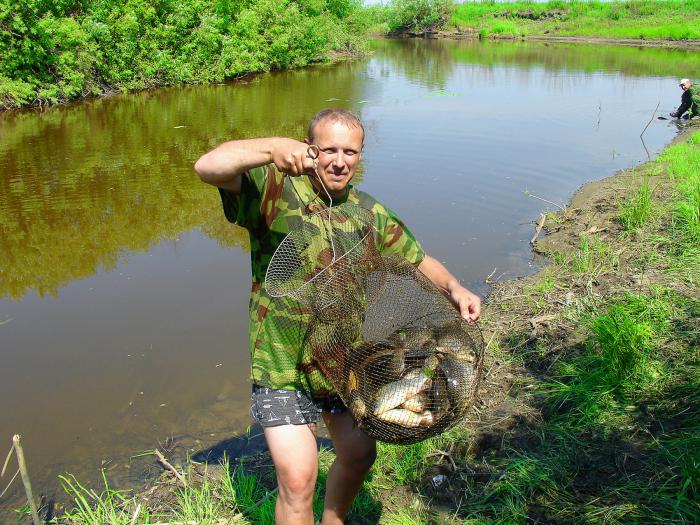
[[690, 100], [256, 194]]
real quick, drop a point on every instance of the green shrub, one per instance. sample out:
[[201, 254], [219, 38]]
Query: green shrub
[[419, 15], [61, 50]]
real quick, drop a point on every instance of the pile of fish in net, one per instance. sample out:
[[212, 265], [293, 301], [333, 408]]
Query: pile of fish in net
[[384, 336]]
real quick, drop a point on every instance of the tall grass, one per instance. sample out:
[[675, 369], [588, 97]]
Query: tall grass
[[636, 210], [111, 506]]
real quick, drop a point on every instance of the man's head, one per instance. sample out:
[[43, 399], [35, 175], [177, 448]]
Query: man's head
[[685, 84], [339, 136]]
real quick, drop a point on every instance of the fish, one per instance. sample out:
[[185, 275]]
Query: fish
[[438, 394], [450, 339], [460, 376], [407, 418], [358, 408], [394, 394], [412, 338], [417, 403]]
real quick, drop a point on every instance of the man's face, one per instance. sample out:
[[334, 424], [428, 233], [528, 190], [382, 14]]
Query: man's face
[[685, 86], [340, 148]]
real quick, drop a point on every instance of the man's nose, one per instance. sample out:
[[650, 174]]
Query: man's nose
[[339, 160]]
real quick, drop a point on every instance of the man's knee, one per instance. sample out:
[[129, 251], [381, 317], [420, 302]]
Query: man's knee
[[297, 482]]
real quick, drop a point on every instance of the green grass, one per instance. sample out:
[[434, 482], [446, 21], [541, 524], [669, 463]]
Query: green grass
[[594, 257], [636, 210], [111, 506], [644, 19]]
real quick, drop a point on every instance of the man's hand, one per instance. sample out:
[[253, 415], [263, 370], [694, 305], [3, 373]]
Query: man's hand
[[292, 157], [468, 304]]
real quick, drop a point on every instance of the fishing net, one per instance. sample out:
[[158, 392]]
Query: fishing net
[[326, 256], [388, 341]]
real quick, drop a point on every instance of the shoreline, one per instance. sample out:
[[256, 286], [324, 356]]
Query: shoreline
[[533, 325], [567, 39], [329, 59]]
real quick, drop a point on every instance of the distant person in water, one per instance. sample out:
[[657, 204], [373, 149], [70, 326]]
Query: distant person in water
[[690, 100]]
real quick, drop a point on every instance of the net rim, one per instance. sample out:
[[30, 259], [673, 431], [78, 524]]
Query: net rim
[[307, 283]]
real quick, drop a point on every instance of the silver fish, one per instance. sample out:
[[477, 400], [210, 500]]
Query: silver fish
[[394, 394], [417, 404], [407, 418]]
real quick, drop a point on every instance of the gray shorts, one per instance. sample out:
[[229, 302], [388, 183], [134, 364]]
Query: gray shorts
[[271, 408]]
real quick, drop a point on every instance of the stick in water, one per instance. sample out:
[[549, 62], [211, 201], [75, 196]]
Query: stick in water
[[25, 478], [652, 118], [540, 224], [169, 467]]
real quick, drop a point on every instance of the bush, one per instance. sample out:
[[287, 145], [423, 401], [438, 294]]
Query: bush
[[419, 15], [61, 50]]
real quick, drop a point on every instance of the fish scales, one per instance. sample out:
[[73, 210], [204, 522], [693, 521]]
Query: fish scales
[[394, 394]]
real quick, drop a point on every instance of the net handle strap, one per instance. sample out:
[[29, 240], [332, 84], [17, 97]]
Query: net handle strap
[[313, 151]]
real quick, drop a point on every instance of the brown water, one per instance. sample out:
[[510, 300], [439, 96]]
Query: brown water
[[123, 291]]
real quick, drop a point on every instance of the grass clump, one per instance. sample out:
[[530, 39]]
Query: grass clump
[[594, 257], [111, 506], [636, 210]]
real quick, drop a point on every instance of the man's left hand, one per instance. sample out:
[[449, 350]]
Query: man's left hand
[[468, 304]]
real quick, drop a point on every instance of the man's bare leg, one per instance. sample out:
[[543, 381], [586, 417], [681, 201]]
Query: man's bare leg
[[294, 453], [354, 456]]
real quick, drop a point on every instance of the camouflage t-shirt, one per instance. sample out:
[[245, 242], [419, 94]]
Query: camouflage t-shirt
[[269, 205]]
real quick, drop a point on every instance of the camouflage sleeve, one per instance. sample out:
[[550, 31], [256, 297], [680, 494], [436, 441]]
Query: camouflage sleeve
[[247, 207], [393, 237], [695, 101]]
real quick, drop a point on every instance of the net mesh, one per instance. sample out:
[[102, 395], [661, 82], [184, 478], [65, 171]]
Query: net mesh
[[386, 339]]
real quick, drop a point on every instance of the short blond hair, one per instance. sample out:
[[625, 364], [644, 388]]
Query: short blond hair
[[335, 115]]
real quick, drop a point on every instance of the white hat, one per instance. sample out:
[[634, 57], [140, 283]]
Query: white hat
[[684, 81]]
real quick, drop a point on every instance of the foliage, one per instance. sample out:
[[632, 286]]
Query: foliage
[[56, 51], [418, 15], [643, 19]]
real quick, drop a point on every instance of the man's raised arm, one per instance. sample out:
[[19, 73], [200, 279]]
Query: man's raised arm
[[223, 166]]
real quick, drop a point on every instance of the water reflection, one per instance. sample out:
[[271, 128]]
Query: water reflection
[[83, 186]]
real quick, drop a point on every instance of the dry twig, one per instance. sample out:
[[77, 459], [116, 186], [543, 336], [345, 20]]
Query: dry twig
[[652, 118], [161, 459], [540, 225], [25, 478], [562, 208], [7, 460]]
